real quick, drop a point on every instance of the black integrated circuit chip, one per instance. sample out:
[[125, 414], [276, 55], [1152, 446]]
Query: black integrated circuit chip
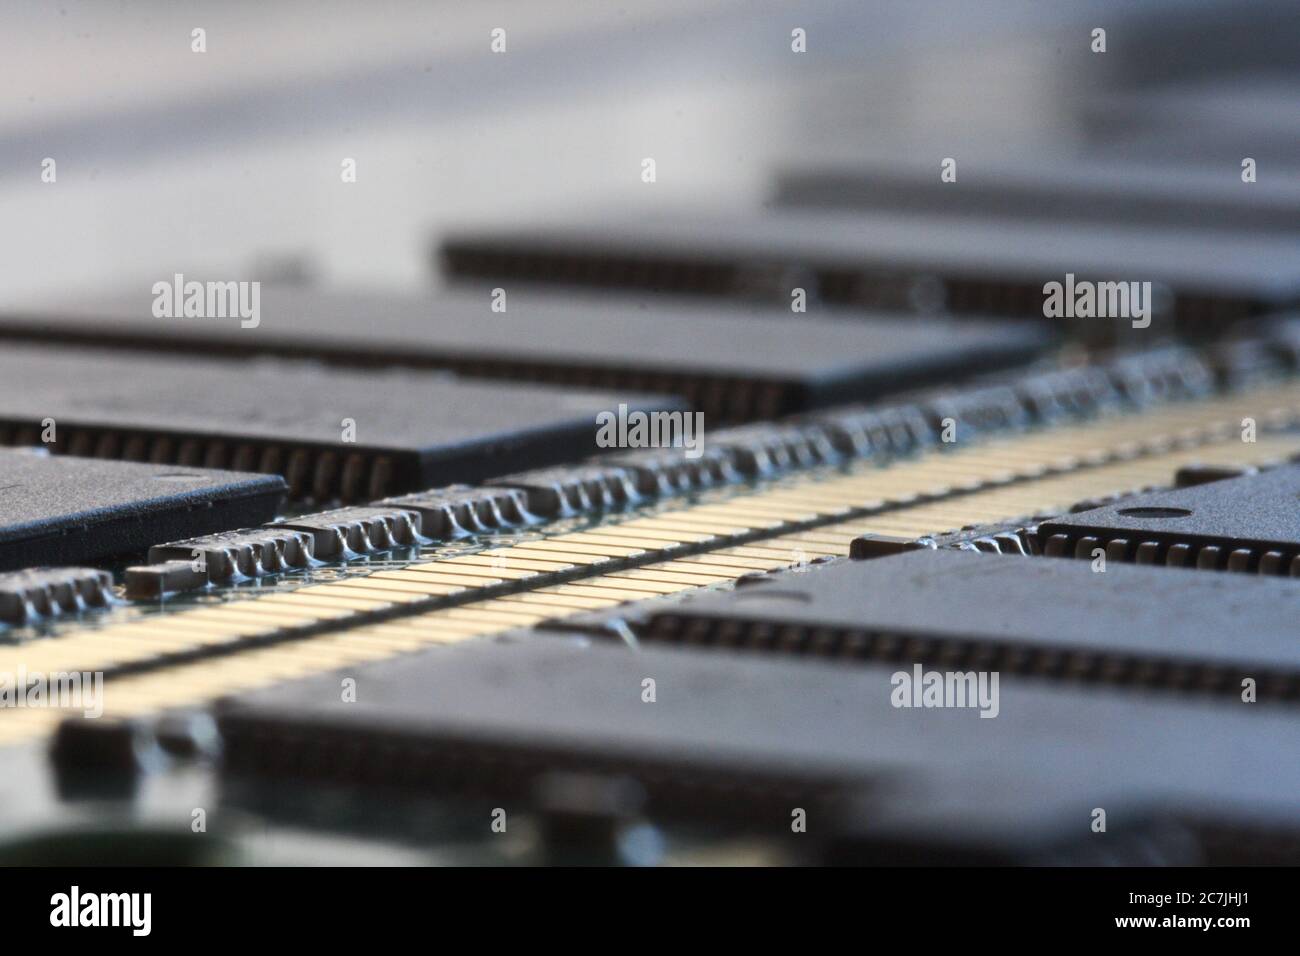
[[1054, 620], [730, 362], [743, 740], [333, 434], [1197, 283], [1249, 524], [59, 510], [1049, 188]]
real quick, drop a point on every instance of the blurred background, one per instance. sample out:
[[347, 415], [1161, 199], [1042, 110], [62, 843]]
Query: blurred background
[[228, 162]]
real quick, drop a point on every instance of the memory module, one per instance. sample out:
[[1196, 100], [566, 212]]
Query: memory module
[[651, 438], [217, 649]]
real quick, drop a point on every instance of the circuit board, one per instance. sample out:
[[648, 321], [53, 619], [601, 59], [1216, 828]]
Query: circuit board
[[930, 504]]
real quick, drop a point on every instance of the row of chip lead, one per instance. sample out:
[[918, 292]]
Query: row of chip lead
[[902, 427], [316, 474], [326, 627], [37, 593], [337, 535], [621, 480]]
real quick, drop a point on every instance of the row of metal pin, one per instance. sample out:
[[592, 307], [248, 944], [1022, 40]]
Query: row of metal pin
[[997, 480]]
